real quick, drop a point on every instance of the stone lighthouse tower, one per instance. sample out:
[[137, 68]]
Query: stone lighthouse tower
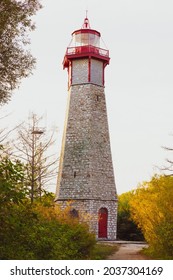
[[86, 176]]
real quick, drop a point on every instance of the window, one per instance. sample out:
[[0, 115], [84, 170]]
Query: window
[[74, 213]]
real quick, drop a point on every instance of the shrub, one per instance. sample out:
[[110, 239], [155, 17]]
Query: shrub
[[44, 233]]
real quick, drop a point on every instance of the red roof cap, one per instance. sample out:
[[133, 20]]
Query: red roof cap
[[86, 29]]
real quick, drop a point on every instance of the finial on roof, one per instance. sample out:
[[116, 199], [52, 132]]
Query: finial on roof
[[86, 24]]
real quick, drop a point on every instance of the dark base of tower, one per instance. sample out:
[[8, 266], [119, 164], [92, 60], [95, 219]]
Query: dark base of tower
[[101, 214]]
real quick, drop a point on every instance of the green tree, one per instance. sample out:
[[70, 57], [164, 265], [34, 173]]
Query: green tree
[[12, 188], [15, 60], [12, 194], [126, 227]]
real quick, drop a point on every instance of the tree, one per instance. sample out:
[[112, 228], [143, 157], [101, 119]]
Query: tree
[[152, 210], [126, 227], [12, 193], [12, 188], [33, 148], [15, 60]]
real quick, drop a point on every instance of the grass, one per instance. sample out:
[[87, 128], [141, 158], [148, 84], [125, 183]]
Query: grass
[[102, 251]]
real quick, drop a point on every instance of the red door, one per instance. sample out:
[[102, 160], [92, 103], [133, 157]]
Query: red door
[[103, 221]]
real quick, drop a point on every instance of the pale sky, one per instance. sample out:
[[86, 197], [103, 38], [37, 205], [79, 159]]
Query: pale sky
[[139, 79]]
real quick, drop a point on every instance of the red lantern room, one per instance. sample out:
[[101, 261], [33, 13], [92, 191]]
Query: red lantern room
[[85, 44]]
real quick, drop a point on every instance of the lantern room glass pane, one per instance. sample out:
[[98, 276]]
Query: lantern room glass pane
[[94, 40], [77, 39], [84, 39]]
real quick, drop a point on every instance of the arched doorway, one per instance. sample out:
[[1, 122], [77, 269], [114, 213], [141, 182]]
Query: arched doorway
[[103, 223]]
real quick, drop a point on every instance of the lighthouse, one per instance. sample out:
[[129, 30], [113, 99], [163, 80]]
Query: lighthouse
[[86, 175]]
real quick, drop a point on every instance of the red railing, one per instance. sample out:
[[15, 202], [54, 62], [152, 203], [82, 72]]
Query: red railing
[[87, 49]]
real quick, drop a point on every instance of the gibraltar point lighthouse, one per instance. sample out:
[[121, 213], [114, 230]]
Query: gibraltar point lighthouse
[[86, 176]]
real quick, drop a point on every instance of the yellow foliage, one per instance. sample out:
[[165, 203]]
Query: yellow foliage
[[152, 206], [63, 214]]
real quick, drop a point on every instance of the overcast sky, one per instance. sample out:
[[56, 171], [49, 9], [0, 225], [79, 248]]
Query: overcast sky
[[139, 79]]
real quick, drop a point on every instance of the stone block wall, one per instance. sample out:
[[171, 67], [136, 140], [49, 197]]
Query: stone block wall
[[86, 161], [91, 208]]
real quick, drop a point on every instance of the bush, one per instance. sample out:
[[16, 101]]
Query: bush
[[44, 233]]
